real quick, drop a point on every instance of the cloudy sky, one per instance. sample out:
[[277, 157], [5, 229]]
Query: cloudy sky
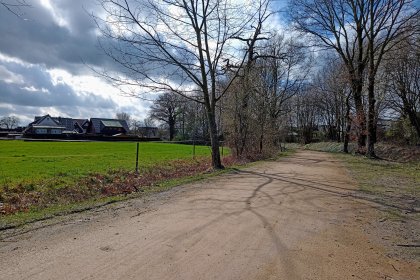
[[44, 58]]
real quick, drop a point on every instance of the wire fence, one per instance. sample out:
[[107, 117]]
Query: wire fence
[[33, 163]]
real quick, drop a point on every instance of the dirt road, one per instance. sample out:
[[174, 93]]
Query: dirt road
[[291, 219]]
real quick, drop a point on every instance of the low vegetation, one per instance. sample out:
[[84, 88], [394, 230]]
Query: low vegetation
[[393, 180], [392, 184], [394, 187], [29, 163], [389, 152], [40, 179]]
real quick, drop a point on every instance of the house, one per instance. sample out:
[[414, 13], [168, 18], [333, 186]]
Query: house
[[147, 131], [47, 125], [102, 126]]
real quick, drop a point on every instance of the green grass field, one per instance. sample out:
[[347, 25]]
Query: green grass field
[[33, 162]]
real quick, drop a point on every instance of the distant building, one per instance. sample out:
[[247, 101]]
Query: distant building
[[47, 125], [147, 132], [107, 126]]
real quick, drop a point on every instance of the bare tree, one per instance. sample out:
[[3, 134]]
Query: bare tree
[[14, 6], [135, 126], [253, 110], [402, 75], [338, 25], [166, 108], [123, 116], [179, 46], [334, 100], [360, 32], [306, 113], [386, 23], [9, 122], [149, 122], [284, 70]]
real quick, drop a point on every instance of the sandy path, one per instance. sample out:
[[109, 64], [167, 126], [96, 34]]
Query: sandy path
[[291, 219]]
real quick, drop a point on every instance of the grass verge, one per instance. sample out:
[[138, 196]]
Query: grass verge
[[38, 214], [391, 184], [22, 205], [395, 189], [98, 189]]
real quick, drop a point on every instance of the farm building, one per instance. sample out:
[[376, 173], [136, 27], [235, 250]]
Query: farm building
[[147, 131], [107, 126], [47, 125]]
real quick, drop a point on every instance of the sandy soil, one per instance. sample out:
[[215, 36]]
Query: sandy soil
[[290, 219]]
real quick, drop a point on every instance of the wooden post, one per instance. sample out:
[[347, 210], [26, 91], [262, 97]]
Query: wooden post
[[137, 159], [193, 149]]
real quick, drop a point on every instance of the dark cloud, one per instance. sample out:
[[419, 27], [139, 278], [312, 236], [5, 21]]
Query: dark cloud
[[65, 38], [25, 114], [38, 90], [39, 38]]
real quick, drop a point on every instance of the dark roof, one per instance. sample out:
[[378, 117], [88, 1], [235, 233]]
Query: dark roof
[[111, 124], [82, 122], [39, 119], [96, 124], [68, 124]]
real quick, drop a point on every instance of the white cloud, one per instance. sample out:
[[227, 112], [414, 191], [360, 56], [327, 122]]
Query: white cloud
[[42, 66], [29, 90], [9, 77], [58, 18]]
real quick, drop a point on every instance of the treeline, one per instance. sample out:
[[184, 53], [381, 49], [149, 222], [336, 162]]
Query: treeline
[[345, 71], [302, 99]]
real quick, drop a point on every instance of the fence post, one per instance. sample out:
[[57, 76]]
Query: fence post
[[193, 149], [137, 158]]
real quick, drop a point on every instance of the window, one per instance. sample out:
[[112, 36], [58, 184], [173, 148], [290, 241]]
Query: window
[[55, 131]]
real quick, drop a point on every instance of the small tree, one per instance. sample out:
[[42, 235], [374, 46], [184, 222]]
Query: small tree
[[255, 105], [125, 117], [9, 122], [166, 108]]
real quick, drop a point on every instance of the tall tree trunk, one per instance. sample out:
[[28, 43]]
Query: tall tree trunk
[[171, 124], [415, 121], [215, 152], [348, 126], [371, 129], [261, 140], [360, 116]]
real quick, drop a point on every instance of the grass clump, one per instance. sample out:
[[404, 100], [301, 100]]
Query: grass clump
[[20, 205], [392, 184]]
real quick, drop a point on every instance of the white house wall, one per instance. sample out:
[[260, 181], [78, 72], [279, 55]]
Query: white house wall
[[47, 122]]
